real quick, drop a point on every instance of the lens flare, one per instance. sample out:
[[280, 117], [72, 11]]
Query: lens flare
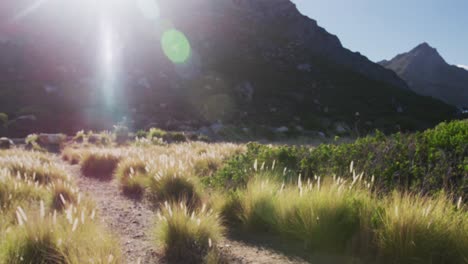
[[176, 46], [148, 8], [108, 67]]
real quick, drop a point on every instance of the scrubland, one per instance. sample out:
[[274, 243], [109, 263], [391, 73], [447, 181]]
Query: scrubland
[[382, 199]]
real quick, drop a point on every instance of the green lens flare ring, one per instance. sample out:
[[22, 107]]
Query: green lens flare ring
[[176, 46]]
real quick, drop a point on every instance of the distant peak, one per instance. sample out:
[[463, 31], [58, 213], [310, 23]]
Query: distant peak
[[425, 47], [427, 52]]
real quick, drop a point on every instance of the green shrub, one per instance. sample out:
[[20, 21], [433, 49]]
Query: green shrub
[[156, 133], [3, 119], [428, 161], [175, 137], [188, 237], [32, 142], [141, 134], [79, 137]]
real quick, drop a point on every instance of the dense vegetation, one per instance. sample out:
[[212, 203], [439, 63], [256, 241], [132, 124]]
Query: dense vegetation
[[381, 199], [429, 161]]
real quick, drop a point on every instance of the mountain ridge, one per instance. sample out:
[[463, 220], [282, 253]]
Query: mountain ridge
[[427, 73], [252, 62]]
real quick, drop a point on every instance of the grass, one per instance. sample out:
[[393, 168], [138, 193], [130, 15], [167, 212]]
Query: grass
[[43, 218], [188, 236], [174, 188], [99, 165], [56, 239], [345, 218], [32, 165], [405, 214]]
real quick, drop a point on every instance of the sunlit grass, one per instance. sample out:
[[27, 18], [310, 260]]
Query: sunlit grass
[[188, 236], [43, 217], [349, 218]]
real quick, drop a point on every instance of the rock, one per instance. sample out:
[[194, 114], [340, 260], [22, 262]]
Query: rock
[[6, 143], [51, 139], [144, 82], [246, 91], [50, 88], [321, 134], [217, 127], [341, 128], [282, 129], [305, 67], [26, 118]]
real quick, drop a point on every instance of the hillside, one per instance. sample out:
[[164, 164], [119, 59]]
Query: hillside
[[427, 73], [250, 63]]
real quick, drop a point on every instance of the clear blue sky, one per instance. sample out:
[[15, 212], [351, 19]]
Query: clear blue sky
[[380, 29]]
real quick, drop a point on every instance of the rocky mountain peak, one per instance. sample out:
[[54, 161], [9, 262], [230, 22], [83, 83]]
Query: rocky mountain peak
[[427, 73], [427, 53]]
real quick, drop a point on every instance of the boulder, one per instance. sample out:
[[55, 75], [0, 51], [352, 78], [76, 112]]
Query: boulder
[[217, 127], [282, 129], [341, 128], [246, 91], [51, 139], [6, 143]]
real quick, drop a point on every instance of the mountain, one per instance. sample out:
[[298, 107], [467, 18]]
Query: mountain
[[427, 73], [249, 63]]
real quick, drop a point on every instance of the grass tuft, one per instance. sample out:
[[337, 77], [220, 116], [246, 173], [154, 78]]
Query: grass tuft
[[188, 237], [99, 165], [173, 188]]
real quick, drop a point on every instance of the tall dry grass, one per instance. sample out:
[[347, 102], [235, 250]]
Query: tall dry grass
[[43, 217]]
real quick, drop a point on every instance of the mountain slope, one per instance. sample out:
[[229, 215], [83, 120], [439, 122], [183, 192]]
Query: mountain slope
[[427, 73], [251, 63]]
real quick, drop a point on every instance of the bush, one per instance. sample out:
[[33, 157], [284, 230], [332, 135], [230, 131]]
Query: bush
[[188, 237], [429, 161], [156, 133], [32, 142], [173, 188], [131, 174], [121, 134], [141, 134], [36, 171], [63, 195], [79, 137], [3, 119], [134, 186], [99, 165], [175, 137]]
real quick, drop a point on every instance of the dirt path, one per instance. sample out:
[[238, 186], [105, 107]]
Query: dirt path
[[131, 221]]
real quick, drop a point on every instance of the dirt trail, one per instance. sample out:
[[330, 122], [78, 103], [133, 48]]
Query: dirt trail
[[132, 220]]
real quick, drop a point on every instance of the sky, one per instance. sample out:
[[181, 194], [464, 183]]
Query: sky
[[381, 29]]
